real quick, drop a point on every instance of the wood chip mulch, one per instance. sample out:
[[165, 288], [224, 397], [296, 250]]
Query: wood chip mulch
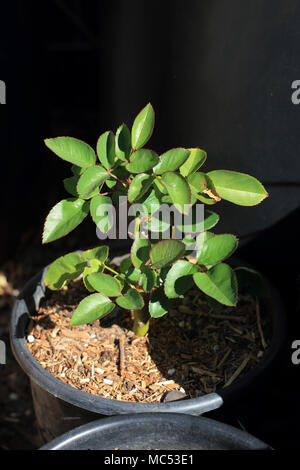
[[192, 349]]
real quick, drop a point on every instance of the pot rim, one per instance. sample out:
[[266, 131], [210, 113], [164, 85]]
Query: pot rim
[[29, 300], [206, 426]]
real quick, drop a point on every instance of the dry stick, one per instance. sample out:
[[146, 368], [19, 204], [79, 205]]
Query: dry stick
[[224, 358], [50, 343], [238, 371], [263, 342], [122, 355], [223, 317]]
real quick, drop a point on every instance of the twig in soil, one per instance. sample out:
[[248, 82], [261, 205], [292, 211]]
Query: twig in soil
[[122, 355], [223, 317], [50, 343], [224, 358], [238, 371], [263, 342]]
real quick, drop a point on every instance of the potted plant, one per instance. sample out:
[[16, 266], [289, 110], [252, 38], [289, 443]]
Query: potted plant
[[173, 251]]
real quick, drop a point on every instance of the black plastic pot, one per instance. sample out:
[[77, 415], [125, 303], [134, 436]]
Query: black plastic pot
[[60, 407], [156, 432]]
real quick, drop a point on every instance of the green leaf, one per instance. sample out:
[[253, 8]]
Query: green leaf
[[91, 179], [123, 142], [70, 185], [194, 162], [158, 223], [147, 279], [95, 267], [142, 127], [64, 217], [139, 186], [102, 212], [216, 249], [76, 170], [219, 283], [239, 188], [192, 244], [99, 253], [159, 304], [106, 149], [193, 222], [160, 187], [133, 274], [129, 272], [171, 160], [91, 308], [63, 270], [125, 264], [105, 284], [206, 199], [179, 279], [111, 183], [142, 161], [72, 150], [189, 242], [140, 252], [210, 219], [202, 238], [178, 190], [132, 300], [198, 183], [150, 203], [166, 252]]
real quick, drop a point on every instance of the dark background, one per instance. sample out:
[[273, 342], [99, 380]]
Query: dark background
[[219, 75]]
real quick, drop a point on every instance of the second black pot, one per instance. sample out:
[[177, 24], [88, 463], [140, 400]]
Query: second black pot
[[156, 431]]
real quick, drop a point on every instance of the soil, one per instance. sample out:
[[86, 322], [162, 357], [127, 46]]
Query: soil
[[195, 349]]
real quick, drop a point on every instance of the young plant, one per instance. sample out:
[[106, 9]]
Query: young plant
[[160, 268]]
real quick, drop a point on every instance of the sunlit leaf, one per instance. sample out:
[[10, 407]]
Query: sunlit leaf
[[220, 283], [91, 308], [216, 249], [123, 142], [142, 161], [179, 279], [106, 149], [64, 217], [72, 150], [166, 252], [139, 186], [239, 188], [194, 162], [64, 269], [131, 300], [100, 253], [105, 284], [102, 212], [140, 252], [91, 179], [147, 279], [142, 127], [171, 160], [94, 267], [178, 190], [159, 303]]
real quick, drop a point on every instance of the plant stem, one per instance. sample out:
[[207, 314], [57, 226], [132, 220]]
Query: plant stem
[[141, 321], [111, 270]]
